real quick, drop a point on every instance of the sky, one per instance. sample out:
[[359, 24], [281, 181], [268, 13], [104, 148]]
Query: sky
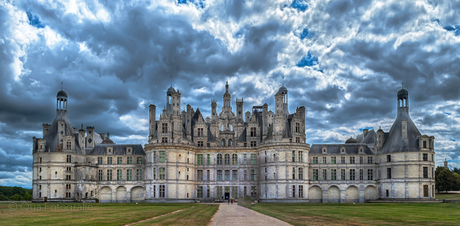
[[343, 60]]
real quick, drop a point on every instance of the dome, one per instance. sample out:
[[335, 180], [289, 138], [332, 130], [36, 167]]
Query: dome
[[61, 94], [403, 92], [170, 90], [283, 90], [351, 140]]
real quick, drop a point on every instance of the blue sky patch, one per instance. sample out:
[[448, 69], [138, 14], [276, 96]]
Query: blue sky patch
[[198, 3], [306, 34], [300, 5], [455, 29], [35, 21], [308, 60]]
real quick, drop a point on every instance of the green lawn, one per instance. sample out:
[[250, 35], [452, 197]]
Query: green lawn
[[363, 213], [99, 214], [197, 215], [454, 196]]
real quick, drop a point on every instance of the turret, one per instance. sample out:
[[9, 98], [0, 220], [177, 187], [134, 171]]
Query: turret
[[239, 110], [403, 100], [227, 107], [81, 137], [214, 109], [380, 138]]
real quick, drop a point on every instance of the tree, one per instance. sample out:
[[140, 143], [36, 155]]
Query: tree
[[445, 179], [16, 197], [27, 196], [3, 197]]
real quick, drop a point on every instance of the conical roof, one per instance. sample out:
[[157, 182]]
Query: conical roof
[[395, 142]]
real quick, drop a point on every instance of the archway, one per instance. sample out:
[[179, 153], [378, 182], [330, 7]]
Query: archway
[[137, 194], [105, 195], [352, 194], [315, 194], [333, 194], [121, 194], [370, 193]]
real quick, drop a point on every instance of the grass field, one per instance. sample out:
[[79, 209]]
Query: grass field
[[363, 213], [452, 196], [104, 214]]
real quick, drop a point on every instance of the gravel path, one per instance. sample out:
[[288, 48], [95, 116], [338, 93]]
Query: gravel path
[[235, 215]]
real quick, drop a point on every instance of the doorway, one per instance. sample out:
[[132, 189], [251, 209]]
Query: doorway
[[227, 192]]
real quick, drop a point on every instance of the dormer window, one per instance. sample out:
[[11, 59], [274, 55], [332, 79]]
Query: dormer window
[[343, 150]]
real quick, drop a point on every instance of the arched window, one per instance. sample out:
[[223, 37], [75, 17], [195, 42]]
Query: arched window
[[234, 159], [227, 159], [223, 143], [219, 159], [231, 128], [230, 142], [222, 128]]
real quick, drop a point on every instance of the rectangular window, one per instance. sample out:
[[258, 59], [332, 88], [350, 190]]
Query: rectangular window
[[324, 174], [425, 157], [99, 160], [208, 192], [315, 160], [253, 159], [245, 177], [162, 156], [333, 160], [109, 160], [253, 131], [300, 156], [199, 159], [297, 139], [109, 175], [352, 174], [234, 175], [234, 191], [342, 174], [199, 192], [361, 160], [425, 190], [388, 158], [293, 191], [164, 140], [69, 158], [244, 159], [119, 160], [129, 175], [200, 144], [370, 174], [69, 145], [200, 132], [227, 175], [253, 143], [139, 160], [129, 160], [253, 175], [389, 173], [154, 173], [234, 159], [315, 174], [100, 175], [369, 160], [162, 191], [208, 159], [293, 156], [199, 175], [352, 160], [139, 174], [164, 127], [300, 191], [154, 156], [162, 173], [254, 191], [361, 174], [425, 172], [119, 175], [297, 127], [219, 175], [333, 174], [342, 160], [300, 173], [424, 144], [219, 192], [293, 173], [324, 160]]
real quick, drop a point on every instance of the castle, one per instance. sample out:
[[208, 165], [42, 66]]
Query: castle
[[258, 153]]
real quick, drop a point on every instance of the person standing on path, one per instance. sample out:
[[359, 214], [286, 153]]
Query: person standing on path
[[232, 201], [228, 201]]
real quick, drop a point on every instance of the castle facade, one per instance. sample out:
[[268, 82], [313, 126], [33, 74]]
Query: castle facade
[[258, 153]]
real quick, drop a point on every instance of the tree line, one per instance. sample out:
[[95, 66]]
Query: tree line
[[447, 180], [15, 193]]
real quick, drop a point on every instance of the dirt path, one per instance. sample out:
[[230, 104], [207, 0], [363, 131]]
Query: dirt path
[[235, 215]]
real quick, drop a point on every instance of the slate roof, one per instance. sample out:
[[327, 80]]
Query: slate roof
[[118, 149], [334, 149], [394, 141]]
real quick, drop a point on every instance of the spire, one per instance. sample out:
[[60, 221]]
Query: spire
[[283, 80], [62, 85], [226, 87]]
